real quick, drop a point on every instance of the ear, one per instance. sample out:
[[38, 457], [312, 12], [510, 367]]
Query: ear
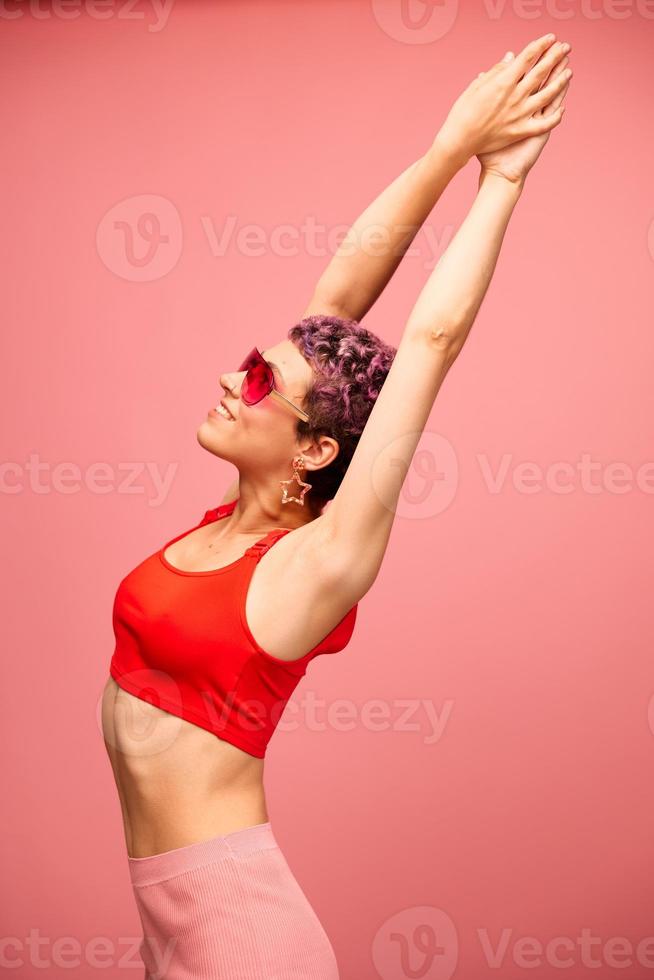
[[320, 452]]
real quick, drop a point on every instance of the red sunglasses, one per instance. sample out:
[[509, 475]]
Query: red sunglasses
[[259, 381]]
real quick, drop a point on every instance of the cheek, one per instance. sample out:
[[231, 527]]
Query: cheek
[[264, 417], [267, 427], [255, 419]]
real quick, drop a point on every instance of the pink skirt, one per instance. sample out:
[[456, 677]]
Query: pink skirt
[[228, 908]]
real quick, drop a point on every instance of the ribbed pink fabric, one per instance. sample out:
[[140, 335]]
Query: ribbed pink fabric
[[228, 908]]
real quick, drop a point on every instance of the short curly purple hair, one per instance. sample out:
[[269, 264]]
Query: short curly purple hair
[[349, 364]]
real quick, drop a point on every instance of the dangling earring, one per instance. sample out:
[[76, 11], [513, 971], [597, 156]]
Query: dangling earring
[[298, 463]]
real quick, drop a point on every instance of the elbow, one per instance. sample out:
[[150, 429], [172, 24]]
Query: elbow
[[442, 336], [448, 342], [445, 337]]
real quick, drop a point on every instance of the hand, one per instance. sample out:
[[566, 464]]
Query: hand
[[500, 106], [516, 160]]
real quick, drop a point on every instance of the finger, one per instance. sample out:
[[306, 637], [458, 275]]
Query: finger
[[556, 102], [529, 56], [540, 72], [548, 92], [498, 65], [540, 124], [555, 71]]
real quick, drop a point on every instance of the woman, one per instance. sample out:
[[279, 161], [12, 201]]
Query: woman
[[206, 650]]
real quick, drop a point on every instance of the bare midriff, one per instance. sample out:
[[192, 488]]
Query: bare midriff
[[178, 784]]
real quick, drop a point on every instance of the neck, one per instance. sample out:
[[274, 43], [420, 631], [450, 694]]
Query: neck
[[258, 511]]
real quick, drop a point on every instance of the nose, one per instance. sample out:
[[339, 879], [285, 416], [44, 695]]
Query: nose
[[232, 382]]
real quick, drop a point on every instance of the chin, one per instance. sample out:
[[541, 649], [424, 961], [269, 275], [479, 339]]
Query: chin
[[206, 436]]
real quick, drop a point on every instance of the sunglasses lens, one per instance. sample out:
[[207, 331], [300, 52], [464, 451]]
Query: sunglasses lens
[[258, 379]]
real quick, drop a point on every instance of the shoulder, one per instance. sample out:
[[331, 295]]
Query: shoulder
[[292, 574], [306, 563]]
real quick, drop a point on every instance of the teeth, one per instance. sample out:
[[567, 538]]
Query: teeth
[[223, 411]]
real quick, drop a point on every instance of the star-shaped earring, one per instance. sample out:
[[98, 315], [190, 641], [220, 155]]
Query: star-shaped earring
[[296, 478]]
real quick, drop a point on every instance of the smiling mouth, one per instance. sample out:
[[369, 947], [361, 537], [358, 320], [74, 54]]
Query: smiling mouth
[[226, 414]]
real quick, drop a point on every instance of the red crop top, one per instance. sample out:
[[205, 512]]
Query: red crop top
[[183, 645]]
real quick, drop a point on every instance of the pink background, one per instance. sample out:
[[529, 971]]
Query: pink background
[[524, 618]]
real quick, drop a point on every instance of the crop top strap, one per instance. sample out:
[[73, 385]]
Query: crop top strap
[[255, 550], [222, 510], [210, 516], [260, 547]]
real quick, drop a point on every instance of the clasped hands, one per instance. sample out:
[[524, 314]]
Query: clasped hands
[[506, 114]]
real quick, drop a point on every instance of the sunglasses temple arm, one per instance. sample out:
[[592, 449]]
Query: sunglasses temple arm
[[276, 394]]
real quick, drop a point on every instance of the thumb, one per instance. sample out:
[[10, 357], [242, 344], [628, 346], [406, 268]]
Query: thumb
[[508, 56]]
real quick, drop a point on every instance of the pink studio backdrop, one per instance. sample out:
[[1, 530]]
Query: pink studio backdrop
[[494, 816]]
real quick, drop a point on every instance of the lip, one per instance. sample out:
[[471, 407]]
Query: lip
[[213, 414], [227, 408]]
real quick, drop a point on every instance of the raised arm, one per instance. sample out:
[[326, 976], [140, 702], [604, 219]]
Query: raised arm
[[356, 525], [377, 241], [375, 244]]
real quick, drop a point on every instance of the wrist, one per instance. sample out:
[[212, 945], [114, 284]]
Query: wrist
[[449, 151], [515, 182]]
